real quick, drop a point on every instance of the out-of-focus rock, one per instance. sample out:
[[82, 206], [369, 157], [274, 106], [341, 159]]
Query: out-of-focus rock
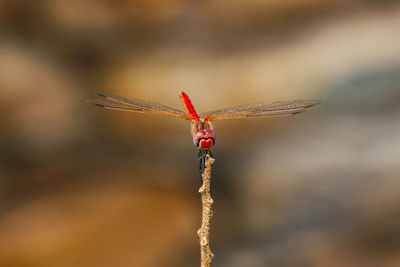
[[38, 103], [111, 225]]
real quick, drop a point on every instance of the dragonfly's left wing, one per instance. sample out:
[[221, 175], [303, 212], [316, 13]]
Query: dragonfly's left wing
[[262, 109], [110, 101]]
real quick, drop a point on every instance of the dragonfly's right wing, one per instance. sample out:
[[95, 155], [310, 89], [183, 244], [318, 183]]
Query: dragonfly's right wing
[[262, 109], [110, 101]]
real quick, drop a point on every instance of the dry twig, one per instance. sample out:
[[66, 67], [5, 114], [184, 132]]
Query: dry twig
[[207, 213]]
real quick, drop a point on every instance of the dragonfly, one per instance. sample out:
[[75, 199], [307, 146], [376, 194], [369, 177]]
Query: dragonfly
[[202, 129]]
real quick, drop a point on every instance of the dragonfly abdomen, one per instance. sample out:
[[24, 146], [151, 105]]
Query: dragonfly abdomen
[[189, 106]]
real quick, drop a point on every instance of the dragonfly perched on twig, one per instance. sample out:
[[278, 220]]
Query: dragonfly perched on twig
[[202, 130]]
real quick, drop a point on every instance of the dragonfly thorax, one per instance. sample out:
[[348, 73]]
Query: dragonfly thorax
[[203, 134]]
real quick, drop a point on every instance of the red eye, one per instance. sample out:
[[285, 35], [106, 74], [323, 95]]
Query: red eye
[[206, 144]]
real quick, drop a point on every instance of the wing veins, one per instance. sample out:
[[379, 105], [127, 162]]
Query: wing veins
[[140, 103], [110, 101], [262, 109]]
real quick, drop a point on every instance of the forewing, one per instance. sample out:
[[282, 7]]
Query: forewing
[[262, 109], [110, 101]]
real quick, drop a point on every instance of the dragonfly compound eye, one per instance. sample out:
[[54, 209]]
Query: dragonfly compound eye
[[206, 144]]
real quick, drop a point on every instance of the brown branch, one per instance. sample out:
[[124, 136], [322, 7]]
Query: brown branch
[[207, 213]]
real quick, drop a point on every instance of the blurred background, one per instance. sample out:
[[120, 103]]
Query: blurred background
[[84, 186]]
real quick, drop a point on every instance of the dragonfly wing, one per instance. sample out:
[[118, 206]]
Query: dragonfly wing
[[111, 101], [262, 109]]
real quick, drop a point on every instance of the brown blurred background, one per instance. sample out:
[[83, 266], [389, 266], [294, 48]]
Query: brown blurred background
[[83, 186]]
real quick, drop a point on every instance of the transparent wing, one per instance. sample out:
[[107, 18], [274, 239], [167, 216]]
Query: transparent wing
[[110, 101], [262, 109]]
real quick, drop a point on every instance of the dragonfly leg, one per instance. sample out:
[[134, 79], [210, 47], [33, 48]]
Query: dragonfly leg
[[202, 162], [205, 153]]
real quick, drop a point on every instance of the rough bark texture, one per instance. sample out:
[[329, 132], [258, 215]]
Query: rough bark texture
[[207, 213]]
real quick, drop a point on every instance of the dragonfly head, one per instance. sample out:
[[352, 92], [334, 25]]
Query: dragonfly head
[[203, 134]]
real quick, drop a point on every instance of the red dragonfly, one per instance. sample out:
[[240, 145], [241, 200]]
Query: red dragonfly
[[202, 129]]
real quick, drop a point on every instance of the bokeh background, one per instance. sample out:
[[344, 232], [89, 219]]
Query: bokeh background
[[84, 186]]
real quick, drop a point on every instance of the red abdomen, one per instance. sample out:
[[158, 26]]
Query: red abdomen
[[188, 106]]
